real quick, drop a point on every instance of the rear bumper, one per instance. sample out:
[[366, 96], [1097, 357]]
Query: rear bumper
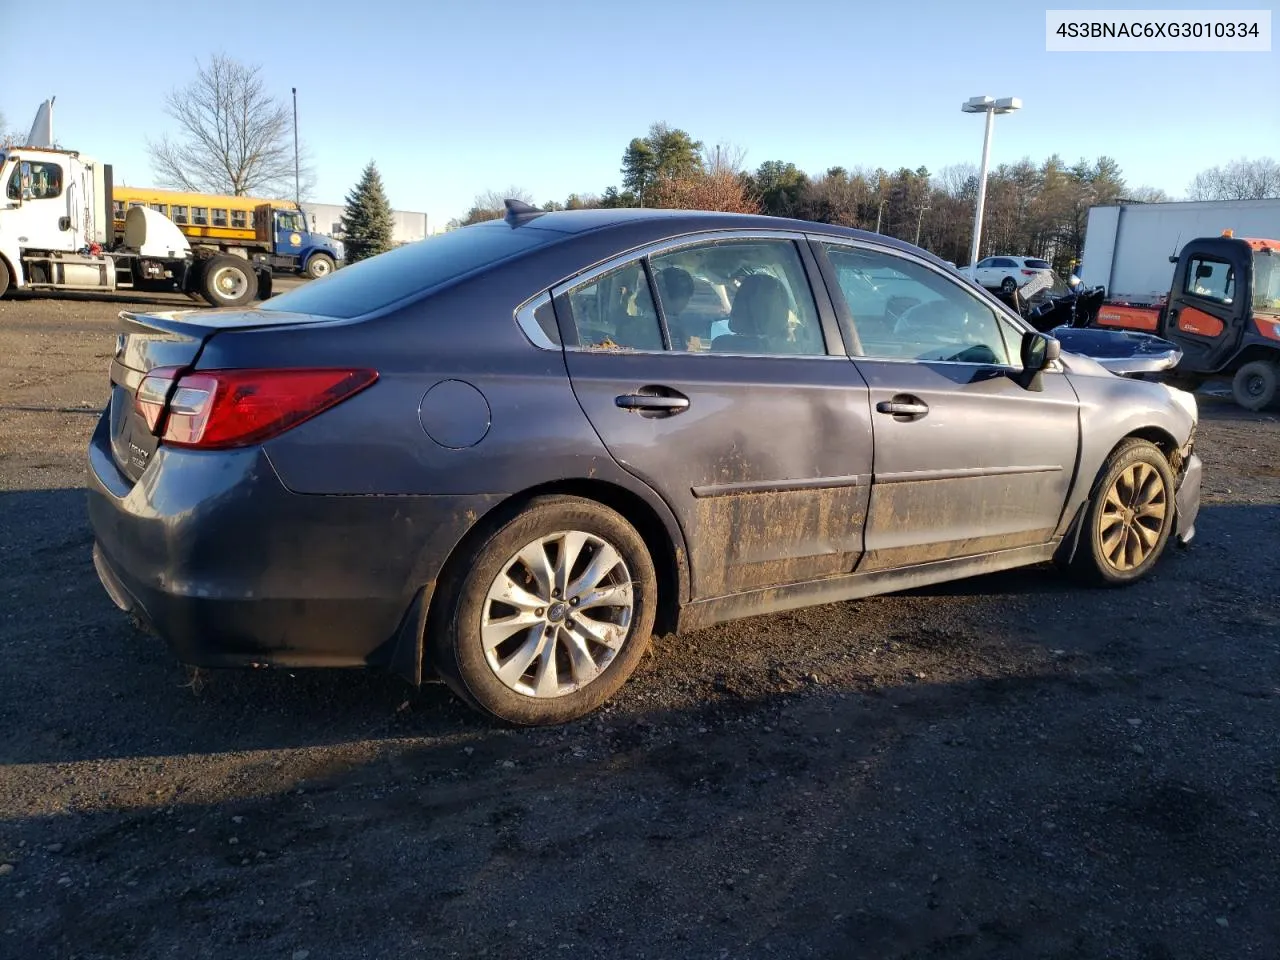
[[232, 569], [1187, 500]]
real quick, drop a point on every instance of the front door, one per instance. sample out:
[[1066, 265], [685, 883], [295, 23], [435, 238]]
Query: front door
[[1209, 307], [758, 439], [290, 232], [967, 460], [36, 207]]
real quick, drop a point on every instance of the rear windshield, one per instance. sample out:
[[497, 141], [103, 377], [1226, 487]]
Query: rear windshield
[[370, 285], [1039, 264]]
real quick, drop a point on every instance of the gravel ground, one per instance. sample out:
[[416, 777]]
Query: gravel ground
[[1006, 767]]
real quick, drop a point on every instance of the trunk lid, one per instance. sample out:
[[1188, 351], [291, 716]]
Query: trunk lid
[[150, 341]]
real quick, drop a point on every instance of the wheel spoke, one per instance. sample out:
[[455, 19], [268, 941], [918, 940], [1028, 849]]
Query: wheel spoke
[[519, 662], [1111, 504], [1147, 535], [1155, 509], [547, 680], [609, 635], [605, 559], [507, 591], [1150, 485], [1133, 550], [1112, 542], [534, 558], [494, 633], [610, 595], [581, 664], [571, 545]]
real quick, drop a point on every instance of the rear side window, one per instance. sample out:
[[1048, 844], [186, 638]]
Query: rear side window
[[370, 285], [616, 310], [1039, 264]]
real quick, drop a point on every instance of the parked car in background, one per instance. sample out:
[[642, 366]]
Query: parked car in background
[[1007, 274], [505, 455]]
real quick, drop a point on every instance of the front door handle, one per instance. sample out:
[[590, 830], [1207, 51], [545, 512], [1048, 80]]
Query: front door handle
[[903, 407], [654, 401]]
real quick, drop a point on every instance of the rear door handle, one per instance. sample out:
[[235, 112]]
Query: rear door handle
[[903, 408], [660, 401]]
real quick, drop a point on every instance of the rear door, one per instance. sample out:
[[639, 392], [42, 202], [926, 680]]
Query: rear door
[[967, 461], [753, 425]]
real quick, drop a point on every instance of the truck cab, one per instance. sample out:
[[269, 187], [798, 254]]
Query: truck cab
[[1223, 311], [293, 245]]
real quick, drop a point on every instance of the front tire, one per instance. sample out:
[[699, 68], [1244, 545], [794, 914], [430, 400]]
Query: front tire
[[319, 265], [1130, 516], [1255, 385], [546, 615], [4, 278], [228, 281]]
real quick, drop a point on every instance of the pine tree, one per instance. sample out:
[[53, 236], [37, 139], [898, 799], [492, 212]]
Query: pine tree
[[367, 220]]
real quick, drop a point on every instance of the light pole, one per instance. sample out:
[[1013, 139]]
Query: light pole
[[920, 222], [880, 212], [990, 107], [297, 189]]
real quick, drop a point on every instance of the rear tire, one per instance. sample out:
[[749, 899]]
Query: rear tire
[[228, 281], [552, 668], [319, 265], [1008, 285], [1256, 384], [1130, 516]]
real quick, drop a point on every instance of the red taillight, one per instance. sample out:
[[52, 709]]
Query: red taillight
[[1028, 273], [232, 408]]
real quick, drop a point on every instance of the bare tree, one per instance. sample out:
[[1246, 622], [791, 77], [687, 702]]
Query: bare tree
[[491, 204], [1238, 180], [1147, 195], [10, 138], [233, 135]]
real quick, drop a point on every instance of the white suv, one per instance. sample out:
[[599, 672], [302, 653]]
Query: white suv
[[1007, 274]]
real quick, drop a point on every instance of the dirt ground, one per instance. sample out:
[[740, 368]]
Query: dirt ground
[[1006, 767]]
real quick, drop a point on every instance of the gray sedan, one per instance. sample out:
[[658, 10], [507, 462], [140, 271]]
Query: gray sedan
[[505, 456]]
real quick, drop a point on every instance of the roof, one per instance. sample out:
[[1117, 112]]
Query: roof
[[675, 222]]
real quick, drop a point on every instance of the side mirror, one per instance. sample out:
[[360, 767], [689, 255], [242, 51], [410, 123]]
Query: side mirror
[[1038, 351]]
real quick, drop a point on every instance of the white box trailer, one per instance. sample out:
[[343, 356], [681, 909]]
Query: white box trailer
[[1127, 246]]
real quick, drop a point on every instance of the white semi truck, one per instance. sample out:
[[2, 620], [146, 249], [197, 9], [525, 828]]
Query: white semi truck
[[56, 234]]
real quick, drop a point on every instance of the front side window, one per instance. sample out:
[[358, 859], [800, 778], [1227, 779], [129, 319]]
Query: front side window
[[1211, 279], [738, 296], [35, 181], [903, 310], [615, 310]]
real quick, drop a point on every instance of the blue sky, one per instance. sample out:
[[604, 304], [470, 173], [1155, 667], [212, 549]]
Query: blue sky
[[455, 98]]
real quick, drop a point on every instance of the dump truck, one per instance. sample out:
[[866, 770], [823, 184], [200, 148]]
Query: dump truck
[[245, 226]]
